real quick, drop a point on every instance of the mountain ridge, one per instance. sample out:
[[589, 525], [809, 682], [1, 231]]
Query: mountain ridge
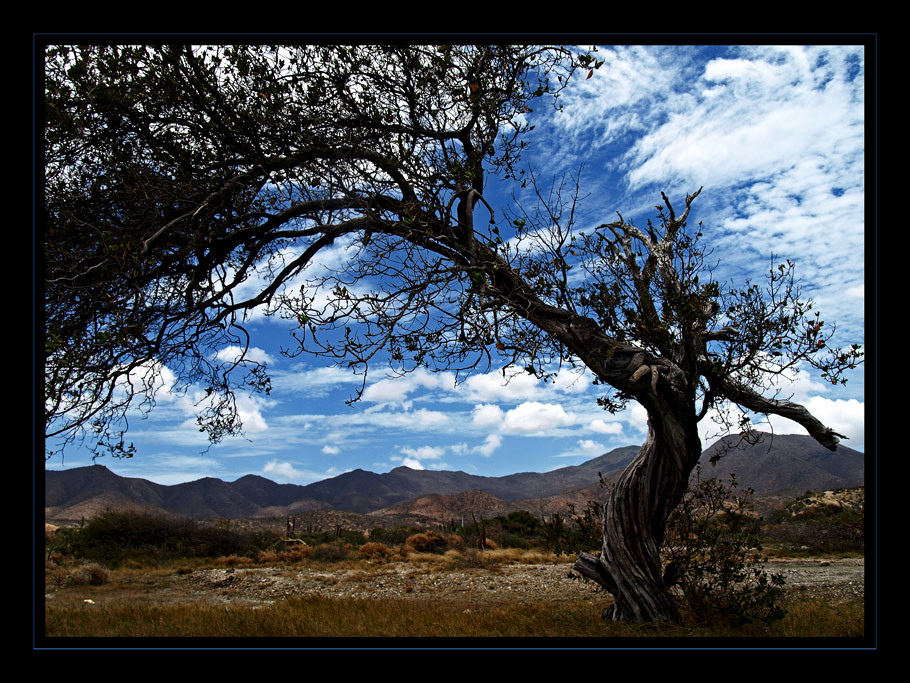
[[781, 463]]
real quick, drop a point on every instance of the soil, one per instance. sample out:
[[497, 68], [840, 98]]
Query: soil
[[835, 580]]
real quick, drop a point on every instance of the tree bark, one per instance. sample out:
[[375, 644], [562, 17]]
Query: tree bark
[[635, 517]]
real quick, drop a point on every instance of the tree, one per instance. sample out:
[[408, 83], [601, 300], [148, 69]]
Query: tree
[[186, 186]]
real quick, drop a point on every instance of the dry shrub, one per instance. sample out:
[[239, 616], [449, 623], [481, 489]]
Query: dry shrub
[[330, 552], [432, 542], [472, 558], [289, 555], [375, 551], [233, 561], [295, 553], [267, 557], [92, 574]]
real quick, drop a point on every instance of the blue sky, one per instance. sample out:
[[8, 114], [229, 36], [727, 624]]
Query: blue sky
[[776, 137]]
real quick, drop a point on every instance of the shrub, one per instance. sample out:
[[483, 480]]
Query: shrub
[[375, 551], [714, 555], [233, 561], [396, 536], [432, 542], [329, 552], [576, 532], [91, 574]]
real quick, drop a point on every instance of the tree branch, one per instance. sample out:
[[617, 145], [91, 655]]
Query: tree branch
[[747, 398]]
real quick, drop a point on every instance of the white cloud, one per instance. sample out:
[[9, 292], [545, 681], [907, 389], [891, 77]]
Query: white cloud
[[846, 417], [282, 470], [763, 114], [533, 417], [397, 389], [487, 415], [412, 463], [602, 427], [586, 449], [250, 412], [315, 382], [420, 419], [493, 386], [331, 450], [490, 445], [424, 452], [232, 353]]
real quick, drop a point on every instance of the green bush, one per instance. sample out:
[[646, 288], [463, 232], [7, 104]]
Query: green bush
[[714, 555], [114, 537], [575, 533]]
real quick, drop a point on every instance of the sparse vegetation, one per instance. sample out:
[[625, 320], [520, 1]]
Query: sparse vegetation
[[830, 523]]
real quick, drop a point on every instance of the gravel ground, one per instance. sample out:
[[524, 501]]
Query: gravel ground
[[835, 579]]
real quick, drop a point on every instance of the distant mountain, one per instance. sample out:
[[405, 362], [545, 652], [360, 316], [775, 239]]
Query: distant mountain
[[781, 463], [785, 463]]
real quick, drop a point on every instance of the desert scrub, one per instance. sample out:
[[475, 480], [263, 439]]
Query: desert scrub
[[233, 561], [375, 551], [432, 542], [91, 574], [330, 552]]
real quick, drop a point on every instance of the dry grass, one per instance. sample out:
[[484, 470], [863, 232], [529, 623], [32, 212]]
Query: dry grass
[[319, 617]]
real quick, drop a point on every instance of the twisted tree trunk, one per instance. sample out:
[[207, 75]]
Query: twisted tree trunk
[[635, 517]]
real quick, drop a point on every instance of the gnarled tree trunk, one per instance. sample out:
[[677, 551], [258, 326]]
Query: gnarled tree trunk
[[635, 517]]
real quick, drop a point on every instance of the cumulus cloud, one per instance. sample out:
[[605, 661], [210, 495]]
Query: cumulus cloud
[[282, 470], [528, 418], [487, 415], [424, 452], [250, 411], [602, 427]]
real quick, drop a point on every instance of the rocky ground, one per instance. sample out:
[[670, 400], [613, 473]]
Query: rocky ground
[[830, 579]]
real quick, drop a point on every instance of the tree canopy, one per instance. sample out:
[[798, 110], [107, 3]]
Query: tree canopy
[[175, 174]]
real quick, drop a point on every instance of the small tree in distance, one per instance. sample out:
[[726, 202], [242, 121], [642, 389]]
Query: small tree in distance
[[186, 186]]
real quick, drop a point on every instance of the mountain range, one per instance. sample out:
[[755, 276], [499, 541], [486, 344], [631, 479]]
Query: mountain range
[[778, 464]]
